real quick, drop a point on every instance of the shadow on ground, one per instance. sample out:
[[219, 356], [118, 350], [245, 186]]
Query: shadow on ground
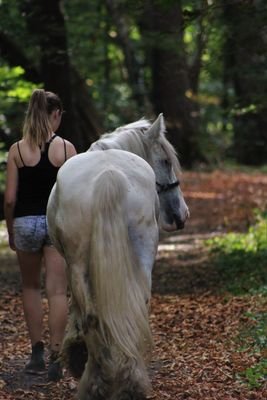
[[183, 266]]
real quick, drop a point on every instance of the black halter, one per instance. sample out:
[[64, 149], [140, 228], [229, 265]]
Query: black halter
[[165, 187]]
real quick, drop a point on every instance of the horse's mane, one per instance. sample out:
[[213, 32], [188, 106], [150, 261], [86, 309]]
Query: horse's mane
[[131, 137]]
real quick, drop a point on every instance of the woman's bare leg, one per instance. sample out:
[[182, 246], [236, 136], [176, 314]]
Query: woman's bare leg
[[30, 267], [56, 289]]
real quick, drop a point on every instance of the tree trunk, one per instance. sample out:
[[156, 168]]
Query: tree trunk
[[245, 68], [162, 28]]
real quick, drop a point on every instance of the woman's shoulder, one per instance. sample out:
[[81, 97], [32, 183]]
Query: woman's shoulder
[[71, 150], [71, 147], [61, 149], [22, 143], [12, 151], [14, 148]]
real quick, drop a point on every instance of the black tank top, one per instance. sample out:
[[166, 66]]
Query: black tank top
[[35, 184]]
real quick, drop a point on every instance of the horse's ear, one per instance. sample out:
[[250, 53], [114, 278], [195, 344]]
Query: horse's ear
[[157, 128]]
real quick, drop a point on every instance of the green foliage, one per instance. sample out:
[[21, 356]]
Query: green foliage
[[254, 339], [255, 376], [257, 331], [216, 124], [241, 259], [97, 52], [12, 18], [12, 84], [14, 95]]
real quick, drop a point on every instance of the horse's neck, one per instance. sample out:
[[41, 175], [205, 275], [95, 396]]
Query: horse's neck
[[131, 144]]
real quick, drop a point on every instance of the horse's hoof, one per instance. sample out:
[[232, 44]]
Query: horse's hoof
[[77, 358]]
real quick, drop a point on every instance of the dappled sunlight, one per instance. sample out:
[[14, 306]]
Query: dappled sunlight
[[182, 243], [203, 195]]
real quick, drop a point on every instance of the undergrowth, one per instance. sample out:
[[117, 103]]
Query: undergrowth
[[241, 259], [241, 262], [254, 338]]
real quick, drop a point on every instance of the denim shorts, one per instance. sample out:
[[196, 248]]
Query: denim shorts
[[30, 233]]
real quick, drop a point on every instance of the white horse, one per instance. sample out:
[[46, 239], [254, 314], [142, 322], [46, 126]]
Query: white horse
[[104, 214]]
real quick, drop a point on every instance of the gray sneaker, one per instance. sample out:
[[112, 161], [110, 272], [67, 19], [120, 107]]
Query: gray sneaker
[[36, 365]]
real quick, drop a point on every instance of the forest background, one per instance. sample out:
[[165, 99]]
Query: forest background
[[203, 63]]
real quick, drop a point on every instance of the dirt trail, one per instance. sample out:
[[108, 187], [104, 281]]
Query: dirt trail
[[194, 326]]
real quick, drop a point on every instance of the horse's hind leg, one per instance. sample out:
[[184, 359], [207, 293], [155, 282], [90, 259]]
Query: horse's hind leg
[[80, 291], [130, 393], [92, 386], [97, 380], [110, 375], [134, 384], [74, 350]]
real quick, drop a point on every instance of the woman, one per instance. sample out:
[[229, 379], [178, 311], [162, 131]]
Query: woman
[[32, 167]]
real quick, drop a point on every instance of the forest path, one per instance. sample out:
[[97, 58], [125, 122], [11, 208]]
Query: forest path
[[194, 323]]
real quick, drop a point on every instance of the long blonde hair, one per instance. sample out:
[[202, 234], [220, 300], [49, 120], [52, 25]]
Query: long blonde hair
[[37, 127]]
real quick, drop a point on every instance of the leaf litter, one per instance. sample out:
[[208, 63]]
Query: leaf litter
[[195, 326]]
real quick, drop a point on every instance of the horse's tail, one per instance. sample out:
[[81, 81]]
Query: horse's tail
[[119, 288]]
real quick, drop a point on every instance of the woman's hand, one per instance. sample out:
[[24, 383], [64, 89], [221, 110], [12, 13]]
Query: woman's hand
[[11, 242]]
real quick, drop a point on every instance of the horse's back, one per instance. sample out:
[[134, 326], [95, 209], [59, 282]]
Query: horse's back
[[87, 165], [73, 194]]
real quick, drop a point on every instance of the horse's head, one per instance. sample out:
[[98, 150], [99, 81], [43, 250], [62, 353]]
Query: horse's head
[[163, 159]]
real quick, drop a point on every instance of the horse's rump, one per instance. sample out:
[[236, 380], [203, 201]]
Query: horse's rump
[[118, 285]]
